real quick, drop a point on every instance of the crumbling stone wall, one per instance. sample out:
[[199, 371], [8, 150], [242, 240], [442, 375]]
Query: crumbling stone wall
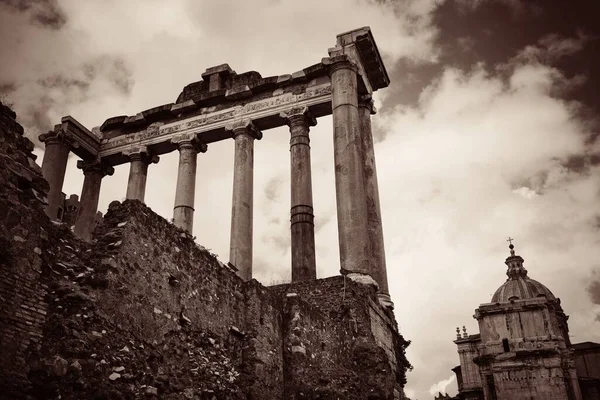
[[262, 356], [143, 310], [22, 306], [314, 351], [332, 341]]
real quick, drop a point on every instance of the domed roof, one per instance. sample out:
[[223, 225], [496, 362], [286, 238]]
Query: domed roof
[[519, 286]]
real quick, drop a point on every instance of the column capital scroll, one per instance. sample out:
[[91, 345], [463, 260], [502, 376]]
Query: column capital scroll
[[366, 100], [189, 141], [58, 136], [244, 127], [141, 153], [298, 116], [95, 166]]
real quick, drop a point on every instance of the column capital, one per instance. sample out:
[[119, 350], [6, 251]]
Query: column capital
[[95, 167], [57, 136], [189, 141], [366, 100], [244, 127], [141, 153], [339, 62], [298, 116]]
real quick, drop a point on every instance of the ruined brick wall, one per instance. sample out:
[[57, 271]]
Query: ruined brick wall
[[339, 341], [262, 357], [314, 350], [176, 320], [143, 310], [22, 306], [161, 276]]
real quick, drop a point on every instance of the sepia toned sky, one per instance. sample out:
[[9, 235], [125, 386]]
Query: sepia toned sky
[[488, 130]]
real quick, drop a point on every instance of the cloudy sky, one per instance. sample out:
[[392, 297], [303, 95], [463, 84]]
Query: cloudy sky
[[488, 129]]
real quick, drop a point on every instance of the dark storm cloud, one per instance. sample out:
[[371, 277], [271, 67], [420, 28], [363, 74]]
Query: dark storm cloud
[[120, 76], [593, 287], [562, 34], [518, 9], [555, 32], [37, 115], [44, 13], [58, 92], [7, 88], [114, 68], [63, 82]]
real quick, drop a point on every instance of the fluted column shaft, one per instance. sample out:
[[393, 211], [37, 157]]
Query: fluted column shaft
[[54, 166], [355, 246], [183, 210], [240, 252], [138, 173], [379, 271], [302, 217], [93, 172]]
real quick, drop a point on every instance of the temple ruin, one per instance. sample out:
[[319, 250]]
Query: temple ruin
[[225, 105], [130, 306]]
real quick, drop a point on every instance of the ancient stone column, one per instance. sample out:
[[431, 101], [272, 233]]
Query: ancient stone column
[[302, 217], [93, 172], [379, 271], [183, 210], [54, 166], [353, 232], [139, 158], [240, 251]]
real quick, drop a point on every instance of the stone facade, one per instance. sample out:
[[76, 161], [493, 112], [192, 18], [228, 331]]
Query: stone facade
[[522, 351], [142, 310]]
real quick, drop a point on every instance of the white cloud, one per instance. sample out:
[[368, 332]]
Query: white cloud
[[449, 175], [553, 47], [441, 386]]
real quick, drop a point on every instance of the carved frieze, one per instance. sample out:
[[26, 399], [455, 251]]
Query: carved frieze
[[218, 119]]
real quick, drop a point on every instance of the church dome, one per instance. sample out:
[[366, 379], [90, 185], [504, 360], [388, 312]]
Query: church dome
[[519, 286]]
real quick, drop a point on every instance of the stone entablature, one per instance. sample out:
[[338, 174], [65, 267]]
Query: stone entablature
[[204, 107], [82, 142], [209, 124]]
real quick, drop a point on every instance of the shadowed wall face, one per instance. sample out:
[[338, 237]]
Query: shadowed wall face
[[23, 227]]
